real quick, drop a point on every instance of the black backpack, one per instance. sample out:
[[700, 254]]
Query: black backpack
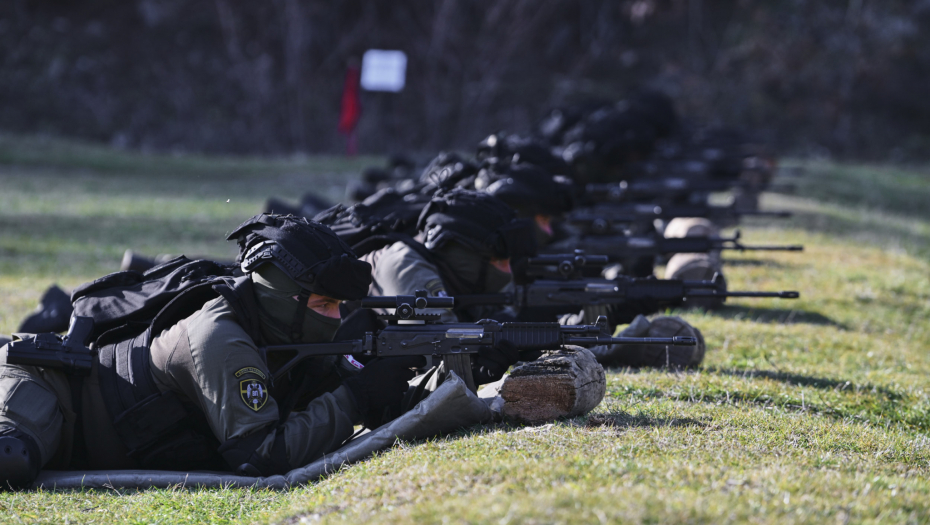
[[383, 218], [124, 304]]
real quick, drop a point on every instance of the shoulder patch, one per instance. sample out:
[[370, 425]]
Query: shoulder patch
[[250, 370], [436, 288], [254, 393]]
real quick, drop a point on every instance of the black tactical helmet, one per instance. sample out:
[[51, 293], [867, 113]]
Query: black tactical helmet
[[308, 252], [478, 220], [528, 189], [447, 170], [514, 149]]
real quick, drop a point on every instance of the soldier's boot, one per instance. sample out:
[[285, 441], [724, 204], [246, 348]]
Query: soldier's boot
[[52, 315], [19, 460]]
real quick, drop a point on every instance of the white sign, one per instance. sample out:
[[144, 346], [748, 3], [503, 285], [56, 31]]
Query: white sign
[[383, 70]]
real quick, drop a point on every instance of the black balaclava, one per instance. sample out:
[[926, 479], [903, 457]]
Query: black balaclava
[[466, 229], [275, 293], [466, 265]]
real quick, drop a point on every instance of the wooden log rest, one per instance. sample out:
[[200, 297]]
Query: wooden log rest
[[563, 383]]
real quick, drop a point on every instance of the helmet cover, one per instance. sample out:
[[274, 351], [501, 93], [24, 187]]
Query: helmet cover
[[307, 251], [478, 220], [528, 189]]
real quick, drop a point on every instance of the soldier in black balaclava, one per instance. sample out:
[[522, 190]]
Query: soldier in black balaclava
[[465, 242], [532, 192], [192, 391]]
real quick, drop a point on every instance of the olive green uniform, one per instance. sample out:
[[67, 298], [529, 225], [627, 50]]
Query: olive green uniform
[[398, 269], [208, 360], [39, 403]]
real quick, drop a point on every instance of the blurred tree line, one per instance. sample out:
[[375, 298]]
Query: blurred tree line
[[844, 77]]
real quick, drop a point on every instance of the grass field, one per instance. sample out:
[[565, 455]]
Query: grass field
[[808, 411]]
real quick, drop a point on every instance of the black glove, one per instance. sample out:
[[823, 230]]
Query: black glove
[[492, 362], [382, 382]]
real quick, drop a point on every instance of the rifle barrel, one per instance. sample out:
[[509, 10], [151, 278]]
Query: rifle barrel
[[716, 293], [788, 248]]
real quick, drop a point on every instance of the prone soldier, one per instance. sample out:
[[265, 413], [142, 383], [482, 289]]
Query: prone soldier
[[465, 242], [189, 389]]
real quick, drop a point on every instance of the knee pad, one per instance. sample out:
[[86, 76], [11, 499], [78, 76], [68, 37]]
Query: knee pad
[[19, 460]]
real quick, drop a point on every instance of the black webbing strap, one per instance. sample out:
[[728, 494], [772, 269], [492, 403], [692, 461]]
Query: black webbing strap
[[79, 459]]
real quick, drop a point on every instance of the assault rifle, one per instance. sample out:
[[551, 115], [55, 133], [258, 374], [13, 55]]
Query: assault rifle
[[410, 331], [556, 284], [618, 246]]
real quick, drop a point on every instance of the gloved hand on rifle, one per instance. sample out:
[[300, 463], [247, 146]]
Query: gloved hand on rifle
[[382, 383], [492, 362]]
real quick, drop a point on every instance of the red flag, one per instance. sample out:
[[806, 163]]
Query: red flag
[[351, 103]]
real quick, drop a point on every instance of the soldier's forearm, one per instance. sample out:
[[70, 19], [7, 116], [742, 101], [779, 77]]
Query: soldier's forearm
[[320, 428]]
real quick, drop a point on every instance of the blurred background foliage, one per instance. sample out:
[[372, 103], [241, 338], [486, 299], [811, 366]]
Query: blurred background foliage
[[840, 78]]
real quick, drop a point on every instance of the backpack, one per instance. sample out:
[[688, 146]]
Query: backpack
[[377, 221], [125, 304]]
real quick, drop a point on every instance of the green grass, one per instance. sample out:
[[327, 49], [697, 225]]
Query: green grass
[[807, 411]]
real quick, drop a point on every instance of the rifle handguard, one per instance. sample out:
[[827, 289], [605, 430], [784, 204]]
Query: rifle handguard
[[532, 336]]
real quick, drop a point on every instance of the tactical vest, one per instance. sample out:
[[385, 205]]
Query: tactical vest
[[159, 429]]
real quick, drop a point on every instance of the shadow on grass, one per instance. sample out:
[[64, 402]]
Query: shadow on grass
[[619, 420], [822, 383], [881, 230], [774, 315], [862, 402], [626, 420], [755, 262]]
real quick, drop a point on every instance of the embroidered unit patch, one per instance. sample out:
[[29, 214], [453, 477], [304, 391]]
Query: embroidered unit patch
[[253, 393], [250, 370]]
